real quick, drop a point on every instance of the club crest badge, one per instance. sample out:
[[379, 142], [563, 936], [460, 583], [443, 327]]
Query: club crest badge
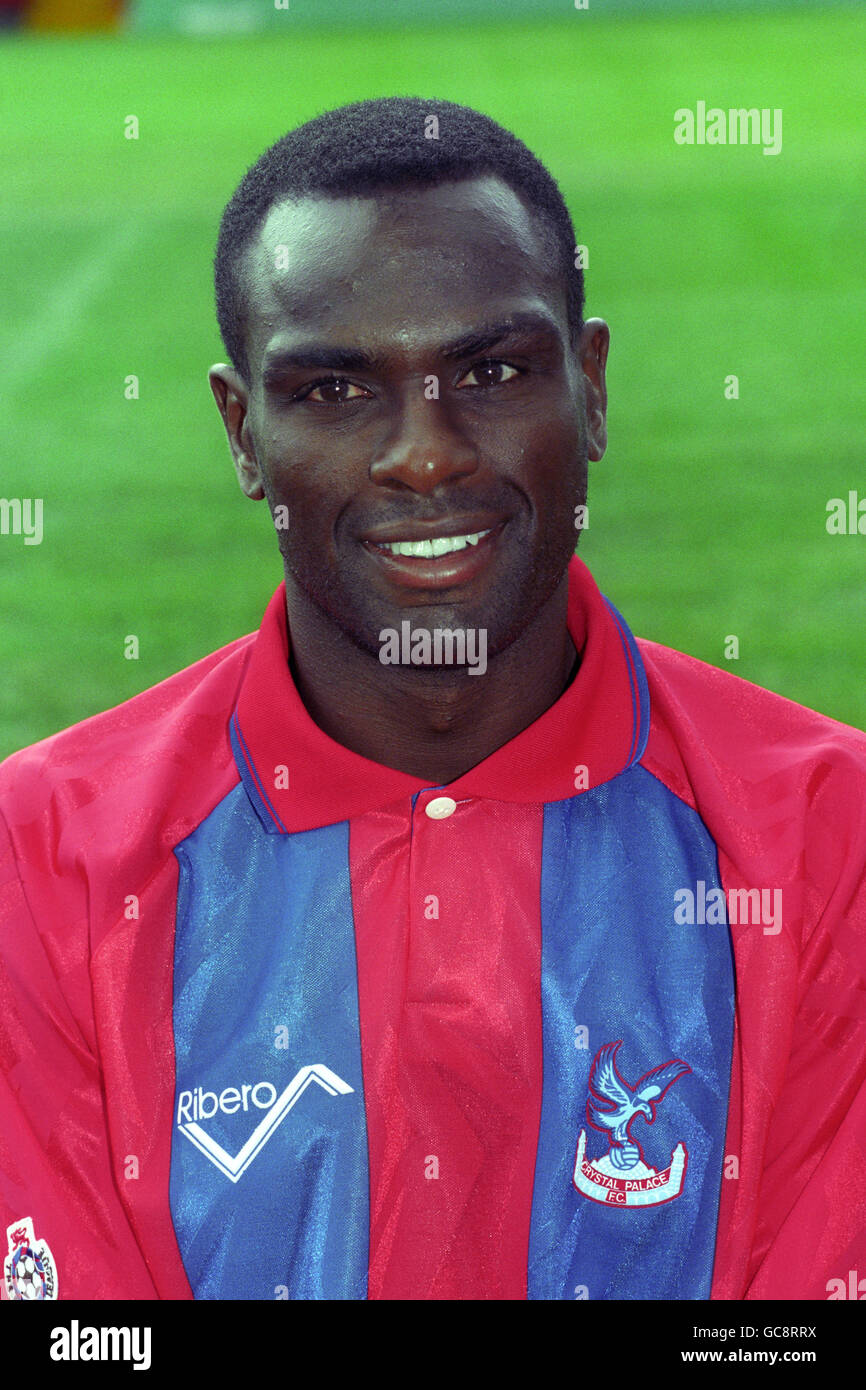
[[28, 1269], [621, 1178]]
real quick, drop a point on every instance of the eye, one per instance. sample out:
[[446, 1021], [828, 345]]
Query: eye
[[332, 390], [488, 374]]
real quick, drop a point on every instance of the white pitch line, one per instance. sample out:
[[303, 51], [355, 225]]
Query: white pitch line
[[27, 348]]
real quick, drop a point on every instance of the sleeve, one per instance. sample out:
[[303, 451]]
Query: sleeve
[[810, 1238], [65, 1231], [782, 791]]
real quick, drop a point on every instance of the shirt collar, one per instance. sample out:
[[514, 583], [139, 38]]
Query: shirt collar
[[298, 778]]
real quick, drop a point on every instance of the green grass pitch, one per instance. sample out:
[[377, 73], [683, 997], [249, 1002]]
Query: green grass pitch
[[707, 515]]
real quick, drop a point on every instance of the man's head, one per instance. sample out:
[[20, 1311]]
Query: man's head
[[373, 148], [399, 299]]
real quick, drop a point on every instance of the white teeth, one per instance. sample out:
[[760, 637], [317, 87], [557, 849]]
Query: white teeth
[[440, 545]]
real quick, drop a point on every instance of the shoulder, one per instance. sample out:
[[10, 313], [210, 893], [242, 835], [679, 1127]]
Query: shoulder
[[694, 697], [150, 753], [733, 750]]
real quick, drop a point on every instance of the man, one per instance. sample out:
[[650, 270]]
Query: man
[[439, 941]]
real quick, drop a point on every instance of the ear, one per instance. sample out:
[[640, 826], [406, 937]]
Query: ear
[[232, 398], [592, 350]]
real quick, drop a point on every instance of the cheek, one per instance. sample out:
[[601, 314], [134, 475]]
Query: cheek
[[309, 477], [556, 464], [306, 481]]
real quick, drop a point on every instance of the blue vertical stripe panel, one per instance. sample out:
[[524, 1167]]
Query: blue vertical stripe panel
[[269, 1177], [617, 964]]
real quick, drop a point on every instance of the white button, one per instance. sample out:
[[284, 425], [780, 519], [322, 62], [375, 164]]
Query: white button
[[440, 807]]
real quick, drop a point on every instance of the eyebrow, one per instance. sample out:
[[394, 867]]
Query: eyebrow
[[318, 355], [481, 339], [488, 335]]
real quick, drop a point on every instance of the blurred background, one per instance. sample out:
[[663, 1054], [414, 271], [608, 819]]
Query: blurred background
[[708, 513]]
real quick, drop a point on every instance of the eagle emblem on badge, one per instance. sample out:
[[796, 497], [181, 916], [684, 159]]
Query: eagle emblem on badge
[[621, 1178]]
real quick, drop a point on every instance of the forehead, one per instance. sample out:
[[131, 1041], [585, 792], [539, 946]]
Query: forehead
[[407, 268]]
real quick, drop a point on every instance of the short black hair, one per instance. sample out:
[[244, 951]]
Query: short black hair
[[369, 147]]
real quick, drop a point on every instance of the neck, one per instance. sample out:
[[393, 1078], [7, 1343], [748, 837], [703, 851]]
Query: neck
[[434, 724]]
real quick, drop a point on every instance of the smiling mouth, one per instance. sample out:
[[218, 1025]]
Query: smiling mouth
[[434, 547], [436, 562]]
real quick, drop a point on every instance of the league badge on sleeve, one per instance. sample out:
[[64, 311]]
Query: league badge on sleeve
[[28, 1269], [621, 1178]]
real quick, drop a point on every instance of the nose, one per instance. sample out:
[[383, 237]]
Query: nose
[[424, 449]]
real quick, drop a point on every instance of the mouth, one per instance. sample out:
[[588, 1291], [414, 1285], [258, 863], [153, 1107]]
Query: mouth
[[440, 559]]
